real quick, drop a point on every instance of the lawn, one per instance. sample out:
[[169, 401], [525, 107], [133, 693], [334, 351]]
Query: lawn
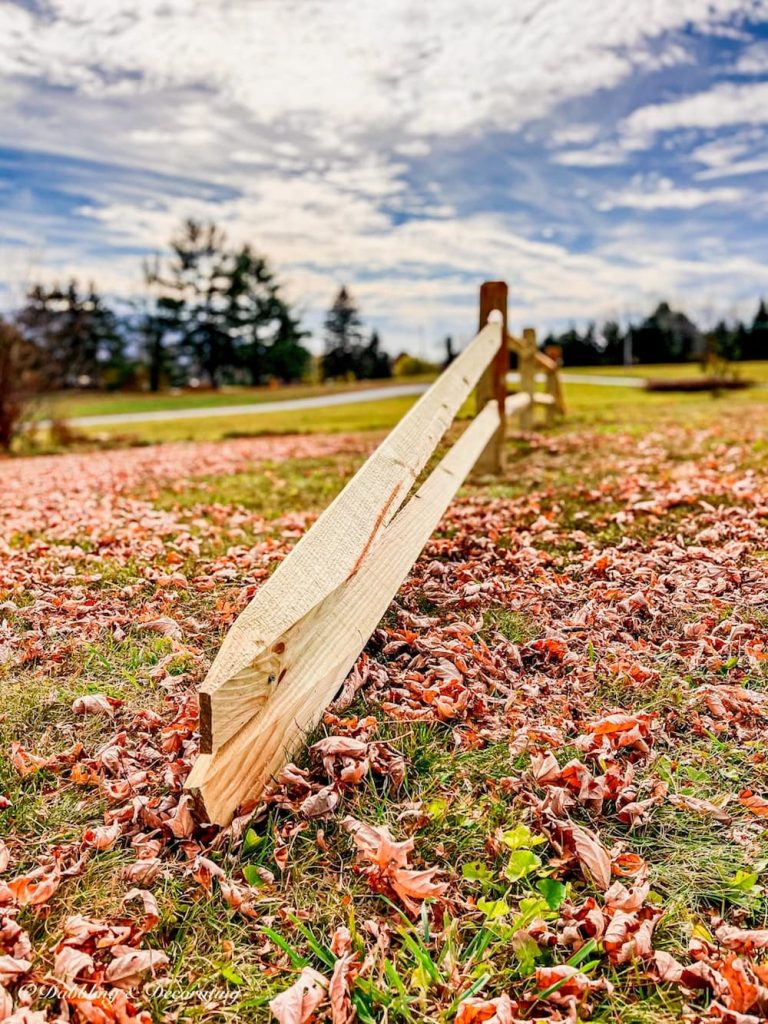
[[756, 370], [86, 403], [560, 721]]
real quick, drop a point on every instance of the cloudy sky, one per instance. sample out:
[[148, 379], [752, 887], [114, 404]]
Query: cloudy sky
[[597, 154]]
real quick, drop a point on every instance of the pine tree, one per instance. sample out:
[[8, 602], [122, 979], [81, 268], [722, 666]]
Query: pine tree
[[372, 363], [343, 331], [757, 345], [79, 336], [221, 310], [286, 358]]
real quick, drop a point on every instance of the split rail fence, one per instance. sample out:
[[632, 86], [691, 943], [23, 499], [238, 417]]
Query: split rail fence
[[287, 654]]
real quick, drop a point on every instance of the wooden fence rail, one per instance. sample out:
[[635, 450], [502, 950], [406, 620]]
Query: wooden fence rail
[[289, 651]]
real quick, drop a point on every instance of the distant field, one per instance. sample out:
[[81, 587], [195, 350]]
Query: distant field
[[610, 408], [757, 371], [336, 419], [68, 406], [587, 404]]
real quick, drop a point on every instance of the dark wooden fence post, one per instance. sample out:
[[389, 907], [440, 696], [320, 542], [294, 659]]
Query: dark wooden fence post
[[493, 383]]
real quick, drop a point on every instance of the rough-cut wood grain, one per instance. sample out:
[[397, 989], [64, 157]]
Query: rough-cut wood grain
[[516, 403], [311, 659], [545, 362], [492, 386], [240, 679], [515, 344], [554, 354], [527, 364]]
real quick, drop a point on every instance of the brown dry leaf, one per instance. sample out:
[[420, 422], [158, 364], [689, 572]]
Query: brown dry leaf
[[744, 992], [95, 704], [181, 823], [320, 804], [742, 940], [149, 903], [572, 983], [414, 886], [593, 856], [703, 807], [668, 969], [70, 962], [754, 803], [377, 844], [12, 968], [487, 1011], [297, 1004], [142, 872], [103, 837], [6, 1003], [344, 970], [164, 625], [339, 746], [129, 968], [35, 888], [24, 762]]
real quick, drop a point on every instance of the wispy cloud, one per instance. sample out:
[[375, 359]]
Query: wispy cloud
[[409, 151]]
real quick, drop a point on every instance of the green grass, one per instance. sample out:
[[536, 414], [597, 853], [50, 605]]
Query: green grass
[[270, 490], [339, 419], [602, 407], [756, 370], [86, 403], [459, 794]]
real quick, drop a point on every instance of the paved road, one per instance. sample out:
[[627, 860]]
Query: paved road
[[314, 402], [619, 381], [287, 405], [606, 381]]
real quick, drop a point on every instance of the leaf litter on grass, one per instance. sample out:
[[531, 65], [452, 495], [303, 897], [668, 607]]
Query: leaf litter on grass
[[500, 823]]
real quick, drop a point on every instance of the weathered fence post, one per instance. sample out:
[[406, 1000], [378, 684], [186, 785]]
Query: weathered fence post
[[555, 353], [527, 364], [493, 383]]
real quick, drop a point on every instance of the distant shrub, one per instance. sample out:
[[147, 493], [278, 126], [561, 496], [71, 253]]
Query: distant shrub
[[412, 366], [19, 382]]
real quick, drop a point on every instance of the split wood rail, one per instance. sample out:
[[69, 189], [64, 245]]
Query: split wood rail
[[289, 651]]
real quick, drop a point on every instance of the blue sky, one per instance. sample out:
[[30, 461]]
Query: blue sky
[[599, 155]]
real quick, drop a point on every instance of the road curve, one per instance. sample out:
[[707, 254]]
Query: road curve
[[313, 402], [287, 405]]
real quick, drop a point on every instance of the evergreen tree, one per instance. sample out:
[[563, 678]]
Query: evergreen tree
[[286, 358], [372, 363], [78, 335], [756, 346], [343, 331], [724, 341], [221, 310], [613, 339], [578, 349], [193, 300], [666, 336]]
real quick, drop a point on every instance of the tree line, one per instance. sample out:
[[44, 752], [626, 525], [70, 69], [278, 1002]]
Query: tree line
[[666, 336], [211, 314]]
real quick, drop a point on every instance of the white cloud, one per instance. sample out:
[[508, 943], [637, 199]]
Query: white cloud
[[293, 123], [605, 154], [331, 69], [754, 60], [662, 194], [722, 106]]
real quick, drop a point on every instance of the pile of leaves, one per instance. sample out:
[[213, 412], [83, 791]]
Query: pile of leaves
[[541, 793]]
